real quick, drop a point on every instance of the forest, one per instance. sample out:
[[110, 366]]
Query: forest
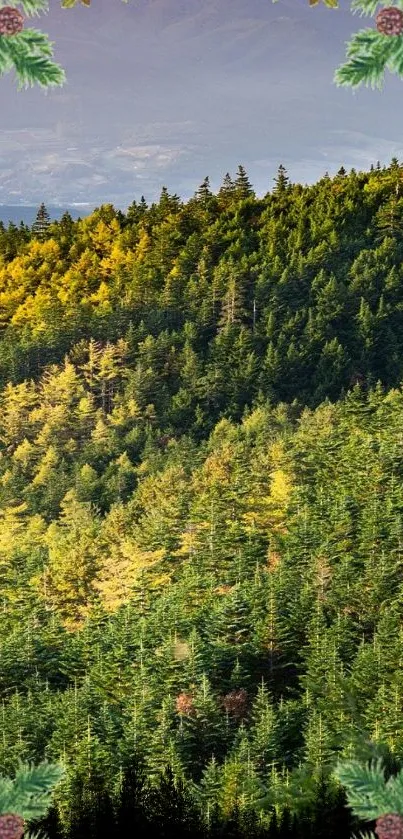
[[201, 498]]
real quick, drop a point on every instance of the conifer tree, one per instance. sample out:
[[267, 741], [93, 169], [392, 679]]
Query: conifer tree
[[41, 224], [281, 181], [242, 184], [173, 813], [207, 793], [202, 732], [227, 191], [390, 221], [203, 193], [262, 734], [131, 798]]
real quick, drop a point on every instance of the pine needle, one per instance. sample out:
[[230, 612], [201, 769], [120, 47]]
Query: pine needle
[[29, 793], [366, 789], [29, 52], [369, 55], [31, 8]]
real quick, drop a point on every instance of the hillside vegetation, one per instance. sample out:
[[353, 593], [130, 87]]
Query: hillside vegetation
[[201, 494]]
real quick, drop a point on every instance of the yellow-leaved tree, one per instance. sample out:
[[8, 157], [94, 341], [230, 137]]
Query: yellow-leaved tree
[[73, 561], [122, 560], [21, 556], [271, 485], [16, 404]]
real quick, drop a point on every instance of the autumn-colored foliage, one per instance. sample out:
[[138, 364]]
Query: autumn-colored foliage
[[185, 704], [200, 520]]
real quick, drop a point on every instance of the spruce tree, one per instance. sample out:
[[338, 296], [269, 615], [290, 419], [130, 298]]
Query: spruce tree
[[104, 824], [227, 191], [131, 799], [243, 185], [281, 181], [172, 811], [203, 193], [389, 221], [202, 732], [41, 224]]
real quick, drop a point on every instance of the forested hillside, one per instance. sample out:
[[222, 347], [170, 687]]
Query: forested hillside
[[201, 495]]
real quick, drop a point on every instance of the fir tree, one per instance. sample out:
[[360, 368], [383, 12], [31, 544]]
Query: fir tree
[[41, 224], [242, 184], [281, 181], [172, 811], [131, 799], [227, 191], [203, 193]]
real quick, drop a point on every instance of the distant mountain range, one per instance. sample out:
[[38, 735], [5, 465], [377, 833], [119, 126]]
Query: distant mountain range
[[27, 214]]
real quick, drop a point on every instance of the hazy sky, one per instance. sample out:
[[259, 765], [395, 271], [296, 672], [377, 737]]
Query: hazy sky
[[165, 92]]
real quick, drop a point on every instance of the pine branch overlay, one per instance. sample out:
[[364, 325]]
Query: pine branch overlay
[[31, 8], [30, 52], [371, 797], [370, 53]]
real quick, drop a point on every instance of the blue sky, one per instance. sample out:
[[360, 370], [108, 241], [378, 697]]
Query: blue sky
[[165, 92]]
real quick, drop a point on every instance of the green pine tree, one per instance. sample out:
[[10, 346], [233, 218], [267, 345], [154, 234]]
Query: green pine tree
[[243, 185], [42, 222], [281, 181]]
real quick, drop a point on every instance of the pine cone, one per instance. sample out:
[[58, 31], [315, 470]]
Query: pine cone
[[11, 826], [390, 21], [389, 826], [11, 21]]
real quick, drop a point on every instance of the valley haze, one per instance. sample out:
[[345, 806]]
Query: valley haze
[[165, 92]]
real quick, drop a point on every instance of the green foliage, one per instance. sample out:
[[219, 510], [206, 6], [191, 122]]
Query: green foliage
[[369, 795], [367, 792], [28, 794], [33, 8], [29, 52], [370, 52], [195, 513]]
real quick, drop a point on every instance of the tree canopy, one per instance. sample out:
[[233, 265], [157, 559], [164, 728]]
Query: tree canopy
[[200, 495]]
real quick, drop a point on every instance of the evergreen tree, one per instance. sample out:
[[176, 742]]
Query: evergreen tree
[[41, 224], [172, 811], [242, 184], [390, 221], [131, 799], [281, 181], [203, 193], [227, 191]]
